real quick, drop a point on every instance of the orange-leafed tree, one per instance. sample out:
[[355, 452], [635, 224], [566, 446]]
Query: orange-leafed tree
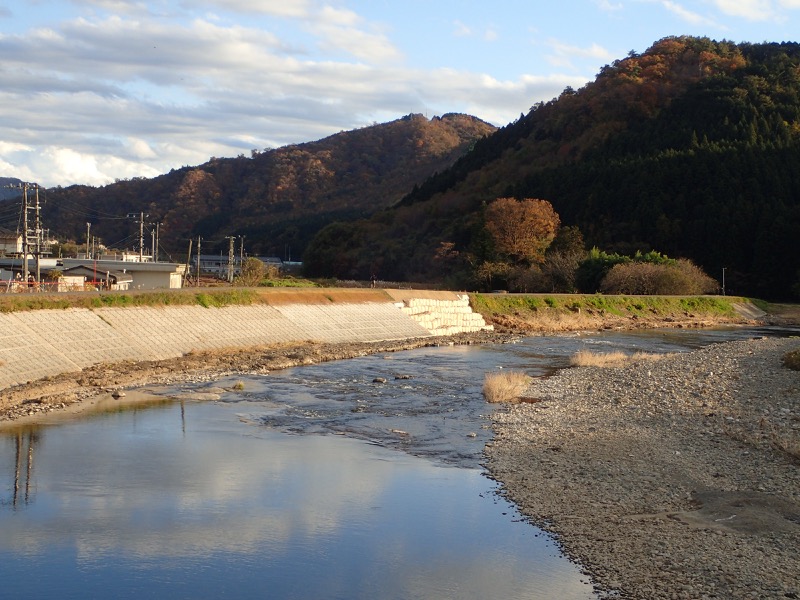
[[522, 229]]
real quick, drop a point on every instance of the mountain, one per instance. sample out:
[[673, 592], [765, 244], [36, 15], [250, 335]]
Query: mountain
[[277, 199], [691, 148], [9, 189]]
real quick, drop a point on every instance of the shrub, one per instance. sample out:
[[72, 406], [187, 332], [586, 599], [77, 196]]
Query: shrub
[[253, 271], [505, 386], [587, 358], [644, 278], [791, 360], [592, 269]]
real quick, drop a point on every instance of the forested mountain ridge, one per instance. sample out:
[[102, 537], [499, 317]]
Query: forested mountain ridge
[[275, 198], [691, 148]]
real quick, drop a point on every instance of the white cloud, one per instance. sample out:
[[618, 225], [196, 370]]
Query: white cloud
[[563, 55], [688, 15], [295, 9], [606, 5], [752, 10], [461, 29], [369, 46]]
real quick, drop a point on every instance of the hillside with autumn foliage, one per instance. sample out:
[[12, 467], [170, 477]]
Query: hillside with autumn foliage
[[277, 199], [691, 149]]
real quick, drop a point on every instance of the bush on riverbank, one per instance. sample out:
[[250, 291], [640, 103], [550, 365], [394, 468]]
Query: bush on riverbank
[[791, 360], [676, 277], [505, 386], [587, 358]]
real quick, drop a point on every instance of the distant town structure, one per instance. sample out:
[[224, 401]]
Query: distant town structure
[[76, 274], [10, 242], [217, 264], [138, 275]]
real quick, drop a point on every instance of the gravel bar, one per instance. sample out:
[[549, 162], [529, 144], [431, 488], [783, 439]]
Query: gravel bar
[[675, 478]]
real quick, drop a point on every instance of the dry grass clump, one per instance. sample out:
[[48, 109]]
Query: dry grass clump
[[587, 358], [505, 386], [787, 443], [791, 360]]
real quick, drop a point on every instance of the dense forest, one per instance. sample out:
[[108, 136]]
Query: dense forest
[[691, 148], [275, 199]]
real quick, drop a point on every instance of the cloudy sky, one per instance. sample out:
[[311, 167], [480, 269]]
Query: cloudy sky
[[98, 90]]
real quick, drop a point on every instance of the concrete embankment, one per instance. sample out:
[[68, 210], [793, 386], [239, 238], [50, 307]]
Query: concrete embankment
[[43, 343]]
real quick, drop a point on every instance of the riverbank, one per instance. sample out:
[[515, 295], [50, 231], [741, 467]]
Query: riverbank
[[56, 350], [61, 393], [675, 478]]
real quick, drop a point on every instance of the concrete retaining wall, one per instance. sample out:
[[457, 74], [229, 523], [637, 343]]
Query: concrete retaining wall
[[444, 316], [42, 343]]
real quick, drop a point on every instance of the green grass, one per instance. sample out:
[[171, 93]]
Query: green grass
[[503, 304], [288, 282], [212, 298], [621, 306]]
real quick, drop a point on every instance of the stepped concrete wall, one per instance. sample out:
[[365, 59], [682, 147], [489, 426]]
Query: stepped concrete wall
[[444, 316], [42, 343]]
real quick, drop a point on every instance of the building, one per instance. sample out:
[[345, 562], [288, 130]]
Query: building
[[10, 242], [143, 275], [108, 280]]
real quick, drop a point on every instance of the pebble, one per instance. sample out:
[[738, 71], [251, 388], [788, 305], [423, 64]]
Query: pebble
[[636, 447]]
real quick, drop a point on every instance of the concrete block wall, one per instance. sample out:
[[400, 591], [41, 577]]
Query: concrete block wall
[[444, 316], [43, 343]]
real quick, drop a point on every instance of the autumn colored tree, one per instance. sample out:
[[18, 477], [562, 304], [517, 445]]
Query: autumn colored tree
[[522, 229]]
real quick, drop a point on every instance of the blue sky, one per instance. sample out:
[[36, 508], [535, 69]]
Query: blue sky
[[98, 90]]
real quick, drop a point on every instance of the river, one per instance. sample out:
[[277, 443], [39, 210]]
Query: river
[[349, 479]]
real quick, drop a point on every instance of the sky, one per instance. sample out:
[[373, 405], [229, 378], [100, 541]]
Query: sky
[[94, 91]]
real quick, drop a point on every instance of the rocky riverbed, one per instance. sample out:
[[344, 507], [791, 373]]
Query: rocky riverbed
[[675, 478], [68, 391]]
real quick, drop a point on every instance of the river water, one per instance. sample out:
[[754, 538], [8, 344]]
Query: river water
[[349, 479]]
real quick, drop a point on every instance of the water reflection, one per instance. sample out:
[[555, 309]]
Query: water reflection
[[190, 502], [24, 443]]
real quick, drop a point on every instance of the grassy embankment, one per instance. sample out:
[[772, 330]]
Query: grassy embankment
[[565, 312], [208, 298]]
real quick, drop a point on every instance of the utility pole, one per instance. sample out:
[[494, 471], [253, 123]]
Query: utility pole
[[141, 235], [188, 261], [197, 283], [230, 238], [88, 229], [141, 232], [30, 237], [38, 232], [25, 232], [241, 252]]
